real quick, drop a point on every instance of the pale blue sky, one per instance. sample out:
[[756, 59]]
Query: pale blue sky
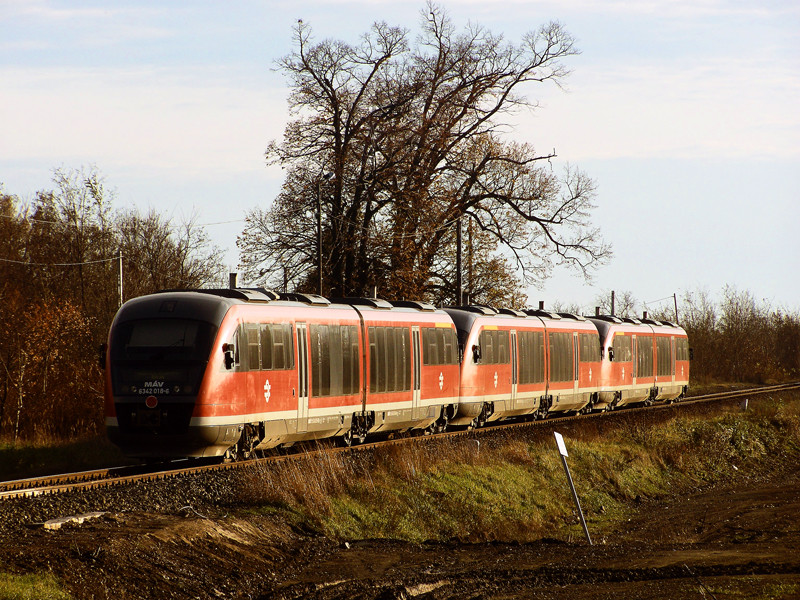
[[685, 113]]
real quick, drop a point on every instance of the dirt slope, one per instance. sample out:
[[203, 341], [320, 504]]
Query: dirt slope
[[738, 541]]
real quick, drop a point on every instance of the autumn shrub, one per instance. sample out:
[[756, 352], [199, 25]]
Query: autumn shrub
[[739, 339], [52, 382]]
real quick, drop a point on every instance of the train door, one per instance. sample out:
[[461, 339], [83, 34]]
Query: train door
[[635, 357], [514, 369], [416, 381], [303, 377], [672, 357], [576, 365]]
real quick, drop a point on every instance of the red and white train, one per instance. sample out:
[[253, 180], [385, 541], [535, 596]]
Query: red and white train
[[228, 371]]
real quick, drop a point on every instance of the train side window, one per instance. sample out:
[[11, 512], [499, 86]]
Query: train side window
[[351, 360], [380, 341], [622, 348], [644, 357], [524, 354], [538, 356], [503, 351], [663, 356], [320, 360], [439, 346], [429, 351], [281, 352], [561, 356], [266, 347], [404, 352], [682, 349], [251, 338], [231, 350], [373, 360], [487, 342], [590, 347], [395, 379], [275, 343], [344, 348], [450, 345]]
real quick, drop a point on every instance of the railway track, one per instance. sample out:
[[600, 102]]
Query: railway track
[[100, 478]]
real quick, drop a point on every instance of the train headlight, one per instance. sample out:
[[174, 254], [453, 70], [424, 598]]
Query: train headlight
[[176, 389]]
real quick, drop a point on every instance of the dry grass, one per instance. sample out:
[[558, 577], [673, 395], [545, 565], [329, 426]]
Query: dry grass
[[512, 486]]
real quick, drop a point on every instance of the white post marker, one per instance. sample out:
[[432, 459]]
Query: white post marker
[[562, 450]]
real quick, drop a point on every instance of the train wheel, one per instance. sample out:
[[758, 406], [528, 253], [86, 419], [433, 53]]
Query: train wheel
[[480, 421], [441, 424], [231, 453], [347, 438]]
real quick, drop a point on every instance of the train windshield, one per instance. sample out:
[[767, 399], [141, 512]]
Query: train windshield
[[160, 356], [163, 340]]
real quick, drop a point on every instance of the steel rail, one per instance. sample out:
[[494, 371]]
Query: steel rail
[[39, 486]]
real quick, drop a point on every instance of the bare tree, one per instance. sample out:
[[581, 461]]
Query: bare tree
[[625, 303], [412, 140], [160, 255]]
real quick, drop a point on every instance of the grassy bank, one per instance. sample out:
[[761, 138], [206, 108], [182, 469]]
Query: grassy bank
[[512, 486], [31, 587]]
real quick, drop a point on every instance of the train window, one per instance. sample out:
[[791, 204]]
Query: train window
[[531, 356], [663, 356], [439, 346], [272, 342], [380, 342], [403, 359], [495, 347], [266, 347], [430, 353], [450, 347], [251, 339], [644, 357], [320, 363], [334, 360], [163, 339], [487, 341], [350, 359], [590, 347], [395, 360], [622, 348], [561, 356], [282, 346], [503, 348], [373, 360], [681, 349], [390, 359]]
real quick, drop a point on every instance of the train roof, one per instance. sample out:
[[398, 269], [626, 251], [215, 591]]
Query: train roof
[[465, 316], [228, 297]]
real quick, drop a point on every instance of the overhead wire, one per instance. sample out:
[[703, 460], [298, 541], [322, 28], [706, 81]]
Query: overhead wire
[[72, 264]]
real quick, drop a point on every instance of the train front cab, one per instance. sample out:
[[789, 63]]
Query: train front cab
[[642, 361], [157, 356]]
